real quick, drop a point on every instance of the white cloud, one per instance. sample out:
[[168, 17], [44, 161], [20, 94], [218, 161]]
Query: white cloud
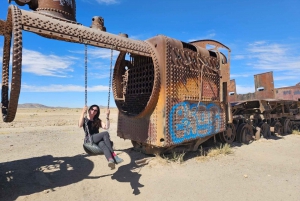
[[244, 89], [107, 1], [287, 77], [99, 75], [273, 57], [97, 53], [62, 88], [238, 57], [241, 75], [45, 65], [210, 35]]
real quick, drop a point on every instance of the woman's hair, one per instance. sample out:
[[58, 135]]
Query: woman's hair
[[96, 120]]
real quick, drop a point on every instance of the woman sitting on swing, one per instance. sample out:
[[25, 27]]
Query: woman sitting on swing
[[101, 139]]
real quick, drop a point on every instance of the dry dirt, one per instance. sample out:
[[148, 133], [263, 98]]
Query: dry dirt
[[41, 158]]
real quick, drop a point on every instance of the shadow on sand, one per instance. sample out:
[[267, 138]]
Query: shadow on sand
[[32, 175], [130, 172]]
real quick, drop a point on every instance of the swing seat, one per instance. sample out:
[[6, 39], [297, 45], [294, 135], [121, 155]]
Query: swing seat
[[92, 149]]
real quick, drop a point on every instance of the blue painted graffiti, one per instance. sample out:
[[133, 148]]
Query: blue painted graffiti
[[190, 121]]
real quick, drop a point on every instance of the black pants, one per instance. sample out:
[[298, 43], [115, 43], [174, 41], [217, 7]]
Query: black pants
[[103, 141]]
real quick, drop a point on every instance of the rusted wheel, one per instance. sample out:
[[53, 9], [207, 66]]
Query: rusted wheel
[[13, 29], [238, 136], [229, 135], [277, 128], [245, 133], [287, 126], [137, 146], [265, 130]]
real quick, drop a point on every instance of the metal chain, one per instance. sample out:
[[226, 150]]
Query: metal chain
[[85, 93], [110, 75], [85, 74]]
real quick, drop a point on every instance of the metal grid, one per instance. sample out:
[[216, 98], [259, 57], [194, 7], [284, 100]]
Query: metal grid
[[135, 78]]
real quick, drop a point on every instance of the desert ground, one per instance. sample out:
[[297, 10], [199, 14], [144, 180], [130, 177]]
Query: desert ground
[[41, 158]]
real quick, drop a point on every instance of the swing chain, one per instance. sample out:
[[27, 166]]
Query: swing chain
[[85, 92], [85, 74], [110, 75]]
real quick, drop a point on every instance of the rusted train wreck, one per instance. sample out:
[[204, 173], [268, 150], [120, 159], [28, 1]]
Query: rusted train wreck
[[169, 93], [267, 111]]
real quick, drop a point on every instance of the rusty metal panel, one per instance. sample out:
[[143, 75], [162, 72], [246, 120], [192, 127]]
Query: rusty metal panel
[[193, 108], [232, 96], [288, 93], [2, 27], [188, 105], [248, 96], [63, 10], [190, 121], [264, 86], [72, 32], [137, 129]]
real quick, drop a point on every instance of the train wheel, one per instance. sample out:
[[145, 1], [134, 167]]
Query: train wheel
[[265, 130], [135, 144], [278, 128], [238, 133], [287, 126], [245, 133], [229, 135]]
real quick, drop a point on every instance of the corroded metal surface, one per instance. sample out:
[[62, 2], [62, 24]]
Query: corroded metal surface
[[168, 92], [187, 106], [2, 27], [288, 93], [61, 9], [264, 85], [264, 89], [13, 28], [51, 28], [98, 23], [70, 32], [193, 105], [232, 96]]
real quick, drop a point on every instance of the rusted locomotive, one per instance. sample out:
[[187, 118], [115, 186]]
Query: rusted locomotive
[[169, 93], [265, 112]]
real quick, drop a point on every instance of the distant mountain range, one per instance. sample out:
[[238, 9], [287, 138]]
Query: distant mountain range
[[37, 105], [34, 105]]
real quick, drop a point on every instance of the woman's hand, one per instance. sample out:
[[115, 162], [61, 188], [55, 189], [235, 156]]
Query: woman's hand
[[81, 118], [84, 109], [107, 113]]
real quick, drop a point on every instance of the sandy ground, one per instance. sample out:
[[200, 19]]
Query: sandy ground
[[41, 158]]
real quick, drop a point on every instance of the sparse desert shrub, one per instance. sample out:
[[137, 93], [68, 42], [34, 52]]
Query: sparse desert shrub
[[223, 149], [296, 132], [174, 157]]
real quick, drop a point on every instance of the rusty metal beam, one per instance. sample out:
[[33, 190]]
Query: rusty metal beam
[[264, 86], [73, 32], [2, 27]]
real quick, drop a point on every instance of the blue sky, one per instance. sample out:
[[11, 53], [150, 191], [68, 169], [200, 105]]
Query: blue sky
[[262, 35]]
